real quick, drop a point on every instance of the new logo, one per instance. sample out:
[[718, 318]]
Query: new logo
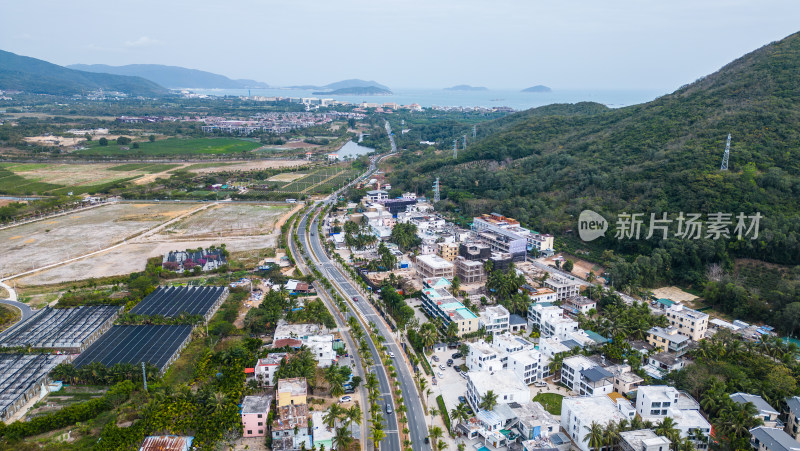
[[591, 225]]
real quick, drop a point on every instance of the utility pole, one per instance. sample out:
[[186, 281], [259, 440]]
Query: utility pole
[[727, 154], [474, 131], [465, 142], [144, 377], [455, 149], [436, 197]]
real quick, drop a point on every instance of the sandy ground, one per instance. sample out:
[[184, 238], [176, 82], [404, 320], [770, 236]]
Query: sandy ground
[[46, 242], [240, 227], [73, 174], [581, 267], [132, 257], [299, 145], [674, 294], [252, 165]]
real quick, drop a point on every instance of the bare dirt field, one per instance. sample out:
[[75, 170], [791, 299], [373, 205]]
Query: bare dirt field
[[580, 267], [240, 227], [225, 220], [299, 145], [251, 166], [287, 177], [674, 294], [53, 240]]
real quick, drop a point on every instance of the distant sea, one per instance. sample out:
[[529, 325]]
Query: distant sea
[[490, 98]]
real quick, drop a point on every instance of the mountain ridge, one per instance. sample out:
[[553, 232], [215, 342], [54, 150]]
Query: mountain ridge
[[30, 74], [173, 77]]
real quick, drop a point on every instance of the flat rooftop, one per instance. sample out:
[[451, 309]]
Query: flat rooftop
[[256, 404], [434, 261], [594, 408], [295, 386]]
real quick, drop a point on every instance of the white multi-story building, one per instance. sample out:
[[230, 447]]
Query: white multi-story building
[[265, 368], [495, 319], [434, 266], [643, 440], [578, 414], [540, 295], [505, 384], [321, 346], [482, 357], [690, 323], [550, 321], [656, 402], [585, 377], [563, 287], [528, 365]]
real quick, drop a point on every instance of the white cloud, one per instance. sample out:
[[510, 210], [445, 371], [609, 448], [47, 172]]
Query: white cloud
[[143, 41]]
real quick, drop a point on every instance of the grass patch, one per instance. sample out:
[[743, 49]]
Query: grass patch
[[175, 146], [8, 316], [182, 371], [550, 401], [444, 413], [203, 166]]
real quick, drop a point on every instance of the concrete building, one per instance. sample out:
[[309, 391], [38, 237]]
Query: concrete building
[[578, 413], [255, 410], [579, 304], [690, 323], [505, 384], [585, 377], [321, 346], [265, 368], [448, 251], [643, 440], [764, 438], [563, 287], [542, 295], [663, 363], [434, 266], [668, 340], [321, 434], [298, 331], [474, 251], [438, 303], [497, 223], [290, 429], [793, 417], [495, 319], [529, 365], [377, 195], [655, 402], [482, 357], [469, 271], [765, 411], [292, 391], [550, 321], [529, 418], [625, 380]]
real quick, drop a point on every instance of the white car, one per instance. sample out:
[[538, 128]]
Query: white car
[[345, 399], [440, 374], [391, 354], [540, 384], [441, 367]]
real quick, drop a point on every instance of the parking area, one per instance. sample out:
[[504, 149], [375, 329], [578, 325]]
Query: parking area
[[449, 383]]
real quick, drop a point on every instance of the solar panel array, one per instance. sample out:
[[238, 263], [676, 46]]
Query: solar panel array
[[60, 328], [172, 301], [136, 344]]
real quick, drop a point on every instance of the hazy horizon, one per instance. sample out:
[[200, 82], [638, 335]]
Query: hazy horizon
[[503, 45]]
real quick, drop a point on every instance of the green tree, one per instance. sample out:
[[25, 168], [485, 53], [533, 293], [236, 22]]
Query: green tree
[[489, 400], [102, 141], [595, 435]]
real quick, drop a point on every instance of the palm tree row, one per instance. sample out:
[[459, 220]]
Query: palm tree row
[[599, 436]]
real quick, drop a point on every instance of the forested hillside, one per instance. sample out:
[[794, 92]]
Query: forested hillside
[[661, 156]]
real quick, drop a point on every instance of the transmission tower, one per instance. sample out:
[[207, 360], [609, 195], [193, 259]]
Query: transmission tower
[[474, 131], [727, 154], [455, 149], [436, 197], [465, 142]]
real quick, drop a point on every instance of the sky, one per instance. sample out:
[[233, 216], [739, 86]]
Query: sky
[[500, 44]]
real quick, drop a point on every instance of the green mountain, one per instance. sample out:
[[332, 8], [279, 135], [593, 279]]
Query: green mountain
[[661, 156], [33, 75], [173, 76], [345, 84], [355, 90]]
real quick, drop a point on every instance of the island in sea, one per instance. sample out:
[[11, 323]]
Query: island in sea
[[466, 88], [538, 88], [356, 91]]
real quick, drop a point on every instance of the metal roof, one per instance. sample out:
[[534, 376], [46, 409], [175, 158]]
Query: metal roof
[[596, 374]]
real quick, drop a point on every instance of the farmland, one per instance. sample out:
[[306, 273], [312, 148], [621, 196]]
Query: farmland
[[226, 220], [173, 147]]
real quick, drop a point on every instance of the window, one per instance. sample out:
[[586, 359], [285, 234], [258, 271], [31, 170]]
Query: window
[[260, 431], [249, 432], [260, 415], [260, 423]]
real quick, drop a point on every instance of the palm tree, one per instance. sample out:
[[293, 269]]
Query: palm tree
[[666, 428], [377, 434], [612, 435], [594, 435], [435, 433], [342, 439], [332, 416], [353, 415], [460, 413], [489, 401]]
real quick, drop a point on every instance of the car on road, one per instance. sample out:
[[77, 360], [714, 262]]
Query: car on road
[[457, 355], [449, 362], [355, 298], [435, 358], [389, 408], [391, 354], [442, 367], [345, 399]]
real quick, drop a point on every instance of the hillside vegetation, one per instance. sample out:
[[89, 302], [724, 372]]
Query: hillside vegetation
[[661, 156], [40, 77]]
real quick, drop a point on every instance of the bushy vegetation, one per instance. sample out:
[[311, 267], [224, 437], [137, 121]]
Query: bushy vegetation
[[661, 156]]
